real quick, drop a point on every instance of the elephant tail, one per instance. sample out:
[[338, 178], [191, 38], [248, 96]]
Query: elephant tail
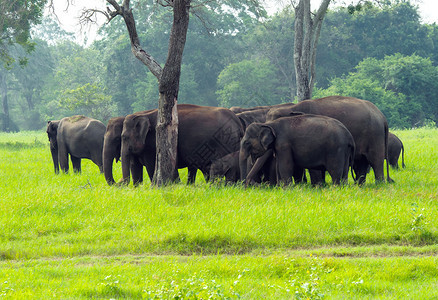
[[403, 156], [352, 153], [386, 152]]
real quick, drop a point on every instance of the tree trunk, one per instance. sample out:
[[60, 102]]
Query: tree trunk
[[4, 95], [167, 122], [307, 31], [168, 78]]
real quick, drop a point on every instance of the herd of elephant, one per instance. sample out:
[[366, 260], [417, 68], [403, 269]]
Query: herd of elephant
[[272, 144]]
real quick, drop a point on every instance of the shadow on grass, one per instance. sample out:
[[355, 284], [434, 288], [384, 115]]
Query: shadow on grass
[[15, 146], [111, 292], [183, 244]]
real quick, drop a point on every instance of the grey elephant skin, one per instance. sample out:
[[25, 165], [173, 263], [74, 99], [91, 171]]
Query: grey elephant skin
[[252, 116], [395, 147], [363, 119], [228, 167], [112, 147], [78, 137], [237, 109], [204, 134], [299, 142]]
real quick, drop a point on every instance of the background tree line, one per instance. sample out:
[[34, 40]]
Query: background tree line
[[380, 53]]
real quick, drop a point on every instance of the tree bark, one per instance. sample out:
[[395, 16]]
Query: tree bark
[[307, 31], [5, 104], [168, 78], [167, 121], [126, 12]]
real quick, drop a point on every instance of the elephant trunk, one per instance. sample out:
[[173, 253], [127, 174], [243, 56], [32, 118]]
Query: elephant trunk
[[108, 158], [243, 158], [258, 165], [126, 164]]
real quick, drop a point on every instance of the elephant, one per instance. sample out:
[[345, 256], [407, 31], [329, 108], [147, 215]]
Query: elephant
[[237, 109], [252, 116], [79, 136], [228, 167], [395, 146], [363, 119], [204, 134], [112, 147], [302, 141]]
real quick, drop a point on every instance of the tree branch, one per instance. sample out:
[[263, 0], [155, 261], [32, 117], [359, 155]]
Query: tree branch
[[126, 12]]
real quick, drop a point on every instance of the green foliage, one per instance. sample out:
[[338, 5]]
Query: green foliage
[[405, 88], [16, 19], [373, 31], [192, 288], [273, 40], [89, 100], [223, 37], [247, 83]]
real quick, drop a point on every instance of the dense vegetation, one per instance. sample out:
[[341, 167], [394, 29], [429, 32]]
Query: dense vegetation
[[384, 54], [73, 236]]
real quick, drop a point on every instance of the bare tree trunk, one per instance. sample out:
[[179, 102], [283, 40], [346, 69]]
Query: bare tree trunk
[[167, 122], [4, 95], [168, 78], [307, 31]]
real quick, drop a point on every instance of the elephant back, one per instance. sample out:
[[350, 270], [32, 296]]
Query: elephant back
[[206, 133]]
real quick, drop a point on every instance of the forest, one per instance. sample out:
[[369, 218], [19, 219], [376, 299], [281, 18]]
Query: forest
[[381, 53]]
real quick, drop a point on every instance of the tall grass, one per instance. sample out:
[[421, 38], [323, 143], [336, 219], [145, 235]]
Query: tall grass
[[76, 226]]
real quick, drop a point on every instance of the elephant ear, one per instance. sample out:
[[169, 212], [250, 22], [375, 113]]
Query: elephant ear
[[267, 136], [243, 122], [52, 128], [145, 125]]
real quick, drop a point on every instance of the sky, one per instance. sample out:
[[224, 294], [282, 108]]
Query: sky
[[70, 19]]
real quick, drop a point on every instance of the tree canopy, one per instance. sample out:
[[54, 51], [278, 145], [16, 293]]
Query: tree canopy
[[380, 53], [16, 20]]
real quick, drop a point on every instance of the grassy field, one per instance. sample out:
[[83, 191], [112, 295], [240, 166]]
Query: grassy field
[[71, 236]]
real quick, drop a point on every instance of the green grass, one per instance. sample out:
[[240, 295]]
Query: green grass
[[73, 236]]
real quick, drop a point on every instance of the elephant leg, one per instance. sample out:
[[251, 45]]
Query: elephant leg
[[345, 170], [206, 174], [299, 175], [336, 174], [191, 176], [54, 153], [76, 162], [377, 163], [176, 178], [393, 161], [272, 174], [150, 168], [361, 168], [376, 159], [336, 166], [136, 172], [63, 158], [317, 177], [97, 159], [285, 166]]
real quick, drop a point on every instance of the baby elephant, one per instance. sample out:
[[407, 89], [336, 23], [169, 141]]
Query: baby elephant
[[299, 142], [79, 136], [228, 167], [395, 146]]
